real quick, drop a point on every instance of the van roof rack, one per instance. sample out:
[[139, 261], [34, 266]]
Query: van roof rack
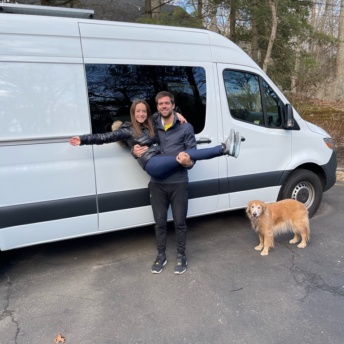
[[46, 11]]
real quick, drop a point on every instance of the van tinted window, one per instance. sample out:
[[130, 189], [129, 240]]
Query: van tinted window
[[251, 99], [112, 89]]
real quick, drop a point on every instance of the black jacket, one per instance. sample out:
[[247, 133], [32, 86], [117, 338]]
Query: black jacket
[[126, 133], [177, 138]]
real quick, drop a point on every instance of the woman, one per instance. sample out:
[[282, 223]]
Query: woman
[[141, 131]]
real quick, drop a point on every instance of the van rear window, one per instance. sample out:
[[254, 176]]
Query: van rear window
[[113, 87]]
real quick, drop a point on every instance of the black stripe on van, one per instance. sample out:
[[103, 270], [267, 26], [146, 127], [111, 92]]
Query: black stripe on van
[[24, 214], [79, 206]]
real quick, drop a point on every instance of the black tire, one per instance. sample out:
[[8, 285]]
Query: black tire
[[304, 186]]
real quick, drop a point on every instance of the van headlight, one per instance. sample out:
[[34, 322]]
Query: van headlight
[[329, 143]]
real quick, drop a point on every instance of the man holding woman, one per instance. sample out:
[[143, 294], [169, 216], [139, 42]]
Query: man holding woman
[[162, 151], [173, 190]]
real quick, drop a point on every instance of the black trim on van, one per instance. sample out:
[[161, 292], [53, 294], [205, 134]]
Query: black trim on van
[[24, 214], [73, 207], [330, 171]]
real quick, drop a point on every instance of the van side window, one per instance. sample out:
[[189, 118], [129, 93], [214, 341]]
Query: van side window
[[42, 101], [112, 89], [272, 106], [251, 99]]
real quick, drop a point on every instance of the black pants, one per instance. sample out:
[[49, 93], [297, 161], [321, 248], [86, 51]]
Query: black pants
[[161, 196]]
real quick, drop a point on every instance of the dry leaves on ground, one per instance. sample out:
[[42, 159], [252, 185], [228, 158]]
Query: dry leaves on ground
[[60, 339], [340, 176]]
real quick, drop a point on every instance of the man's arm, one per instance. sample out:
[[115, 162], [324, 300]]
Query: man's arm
[[189, 142], [138, 150], [189, 137]]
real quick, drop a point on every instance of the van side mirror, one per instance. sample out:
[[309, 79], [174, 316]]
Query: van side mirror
[[288, 117]]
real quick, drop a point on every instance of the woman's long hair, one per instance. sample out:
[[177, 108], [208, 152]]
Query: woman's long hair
[[147, 123]]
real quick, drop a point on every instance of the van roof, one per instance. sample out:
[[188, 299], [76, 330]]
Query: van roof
[[46, 11], [50, 37]]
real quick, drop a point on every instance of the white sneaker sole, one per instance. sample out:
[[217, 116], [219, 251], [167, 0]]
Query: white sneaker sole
[[230, 143], [237, 144], [158, 272], [180, 272]]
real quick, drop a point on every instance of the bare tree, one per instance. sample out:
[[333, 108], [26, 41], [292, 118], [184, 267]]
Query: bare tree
[[213, 16], [272, 4], [156, 9], [340, 54], [148, 8], [254, 40], [232, 20]]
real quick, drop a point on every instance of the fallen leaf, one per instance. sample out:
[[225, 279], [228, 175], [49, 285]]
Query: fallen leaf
[[60, 339]]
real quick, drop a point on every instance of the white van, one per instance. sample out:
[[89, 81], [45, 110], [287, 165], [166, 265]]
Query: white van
[[61, 77]]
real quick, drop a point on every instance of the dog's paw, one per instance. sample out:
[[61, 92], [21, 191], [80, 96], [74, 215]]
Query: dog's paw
[[264, 253], [259, 247], [302, 245], [293, 241]]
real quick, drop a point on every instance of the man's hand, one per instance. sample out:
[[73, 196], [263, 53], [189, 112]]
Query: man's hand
[[139, 150], [184, 159]]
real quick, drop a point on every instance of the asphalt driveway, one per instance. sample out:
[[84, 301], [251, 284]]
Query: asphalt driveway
[[100, 289]]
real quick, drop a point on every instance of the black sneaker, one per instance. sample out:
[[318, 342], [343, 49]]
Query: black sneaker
[[159, 263], [180, 264]]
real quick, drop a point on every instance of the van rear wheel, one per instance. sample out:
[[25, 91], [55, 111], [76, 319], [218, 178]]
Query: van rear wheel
[[305, 187]]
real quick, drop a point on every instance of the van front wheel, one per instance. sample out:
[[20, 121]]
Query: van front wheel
[[304, 186]]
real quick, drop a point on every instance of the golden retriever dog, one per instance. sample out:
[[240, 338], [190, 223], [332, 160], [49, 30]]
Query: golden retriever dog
[[271, 219]]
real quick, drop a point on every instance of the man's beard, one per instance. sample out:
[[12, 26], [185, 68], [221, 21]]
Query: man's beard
[[168, 115]]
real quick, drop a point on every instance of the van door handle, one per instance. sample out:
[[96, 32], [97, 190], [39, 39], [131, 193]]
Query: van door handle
[[203, 140]]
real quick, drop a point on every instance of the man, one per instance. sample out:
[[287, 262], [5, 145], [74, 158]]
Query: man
[[174, 137]]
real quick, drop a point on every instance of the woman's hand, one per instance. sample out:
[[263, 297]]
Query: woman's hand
[[181, 118], [75, 141]]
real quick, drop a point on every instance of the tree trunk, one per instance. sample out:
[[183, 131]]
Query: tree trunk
[[232, 20], [254, 41], [148, 8], [272, 35], [212, 16], [200, 8], [340, 55], [156, 9]]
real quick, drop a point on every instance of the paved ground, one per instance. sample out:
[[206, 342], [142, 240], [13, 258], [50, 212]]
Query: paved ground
[[100, 289]]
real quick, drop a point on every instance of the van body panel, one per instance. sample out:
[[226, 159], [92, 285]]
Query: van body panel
[[225, 51], [316, 152], [52, 191], [59, 170], [100, 41], [60, 37], [42, 232]]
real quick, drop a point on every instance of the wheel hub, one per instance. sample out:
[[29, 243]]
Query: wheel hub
[[304, 193]]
